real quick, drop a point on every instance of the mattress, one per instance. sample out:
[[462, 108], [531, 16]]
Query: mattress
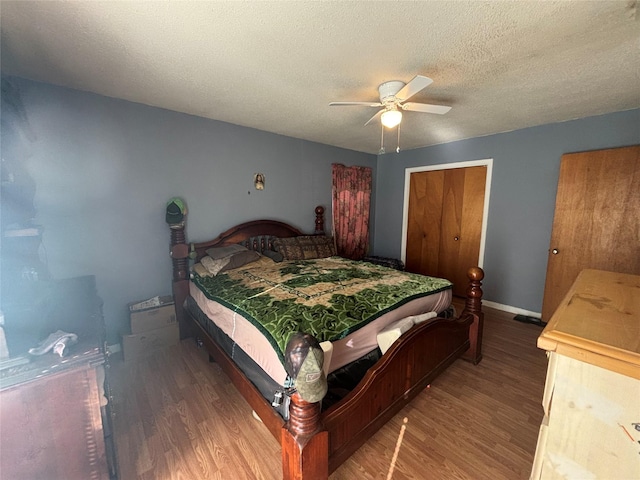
[[248, 337]]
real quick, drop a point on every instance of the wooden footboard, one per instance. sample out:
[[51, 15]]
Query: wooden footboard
[[315, 443], [404, 371]]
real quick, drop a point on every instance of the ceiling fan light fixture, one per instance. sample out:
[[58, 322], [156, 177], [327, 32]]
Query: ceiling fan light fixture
[[391, 118]]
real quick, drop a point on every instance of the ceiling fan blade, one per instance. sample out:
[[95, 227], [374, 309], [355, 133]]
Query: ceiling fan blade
[[377, 115], [366, 104], [414, 86], [425, 108]]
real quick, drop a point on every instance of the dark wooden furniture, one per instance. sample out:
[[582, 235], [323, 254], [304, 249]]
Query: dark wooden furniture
[[314, 442], [55, 419]]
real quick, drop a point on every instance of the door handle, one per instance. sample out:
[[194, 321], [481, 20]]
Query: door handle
[[555, 251]]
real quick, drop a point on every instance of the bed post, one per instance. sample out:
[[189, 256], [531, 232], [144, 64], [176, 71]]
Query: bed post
[[473, 306], [305, 443], [180, 258], [319, 220]]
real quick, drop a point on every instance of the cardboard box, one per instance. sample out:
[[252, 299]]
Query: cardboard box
[[140, 345], [153, 302], [147, 315]]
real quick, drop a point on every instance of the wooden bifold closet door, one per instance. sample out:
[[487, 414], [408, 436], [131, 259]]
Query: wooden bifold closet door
[[444, 223], [597, 219]]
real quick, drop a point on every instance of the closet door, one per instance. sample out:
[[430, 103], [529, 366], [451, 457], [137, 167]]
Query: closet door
[[423, 222], [597, 219], [444, 224]]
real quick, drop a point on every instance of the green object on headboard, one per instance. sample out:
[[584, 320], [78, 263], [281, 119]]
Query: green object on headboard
[[176, 210]]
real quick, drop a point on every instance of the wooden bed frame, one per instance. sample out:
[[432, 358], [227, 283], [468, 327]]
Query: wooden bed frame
[[314, 442]]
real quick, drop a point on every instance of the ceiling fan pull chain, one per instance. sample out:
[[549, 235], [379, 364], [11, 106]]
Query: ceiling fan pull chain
[[398, 147]]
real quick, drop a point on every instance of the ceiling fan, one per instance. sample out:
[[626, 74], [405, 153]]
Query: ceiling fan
[[393, 99]]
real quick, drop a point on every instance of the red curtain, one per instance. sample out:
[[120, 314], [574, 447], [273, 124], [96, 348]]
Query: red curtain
[[350, 204]]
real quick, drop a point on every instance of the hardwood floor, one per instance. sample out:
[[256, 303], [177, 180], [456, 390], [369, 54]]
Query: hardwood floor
[[179, 417]]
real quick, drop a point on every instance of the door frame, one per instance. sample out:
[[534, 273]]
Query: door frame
[[487, 162]]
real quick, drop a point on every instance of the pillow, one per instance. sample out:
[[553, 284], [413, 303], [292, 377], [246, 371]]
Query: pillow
[[305, 247], [224, 252], [214, 265], [275, 256], [201, 270], [240, 259]]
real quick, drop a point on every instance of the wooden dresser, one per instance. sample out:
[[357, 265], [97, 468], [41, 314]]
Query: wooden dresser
[[591, 428], [55, 416]]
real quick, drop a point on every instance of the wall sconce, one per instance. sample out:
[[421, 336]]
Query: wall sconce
[[258, 181]]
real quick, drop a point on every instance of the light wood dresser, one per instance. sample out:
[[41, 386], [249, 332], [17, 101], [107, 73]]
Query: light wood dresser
[[591, 428]]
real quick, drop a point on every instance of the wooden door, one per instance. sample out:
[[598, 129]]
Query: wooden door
[[444, 223], [597, 219]]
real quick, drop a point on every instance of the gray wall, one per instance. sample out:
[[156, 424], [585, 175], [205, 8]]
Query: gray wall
[[526, 164], [105, 168]]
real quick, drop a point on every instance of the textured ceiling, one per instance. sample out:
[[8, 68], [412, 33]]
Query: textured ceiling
[[275, 66]]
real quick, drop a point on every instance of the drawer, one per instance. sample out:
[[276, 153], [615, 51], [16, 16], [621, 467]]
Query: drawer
[[541, 449]]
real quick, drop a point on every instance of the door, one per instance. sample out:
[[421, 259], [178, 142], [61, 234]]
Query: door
[[444, 223], [597, 219]]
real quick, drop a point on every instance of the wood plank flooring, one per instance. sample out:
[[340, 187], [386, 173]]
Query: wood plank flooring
[[179, 417]]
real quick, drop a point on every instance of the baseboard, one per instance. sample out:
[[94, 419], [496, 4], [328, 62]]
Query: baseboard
[[510, 309]]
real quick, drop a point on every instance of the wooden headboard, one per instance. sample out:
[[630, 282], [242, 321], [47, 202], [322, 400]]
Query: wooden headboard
[[255, 235]]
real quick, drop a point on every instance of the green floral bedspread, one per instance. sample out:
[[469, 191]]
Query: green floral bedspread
[[328, 297]]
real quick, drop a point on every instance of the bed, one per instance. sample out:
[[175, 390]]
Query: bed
[[317, 437]]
